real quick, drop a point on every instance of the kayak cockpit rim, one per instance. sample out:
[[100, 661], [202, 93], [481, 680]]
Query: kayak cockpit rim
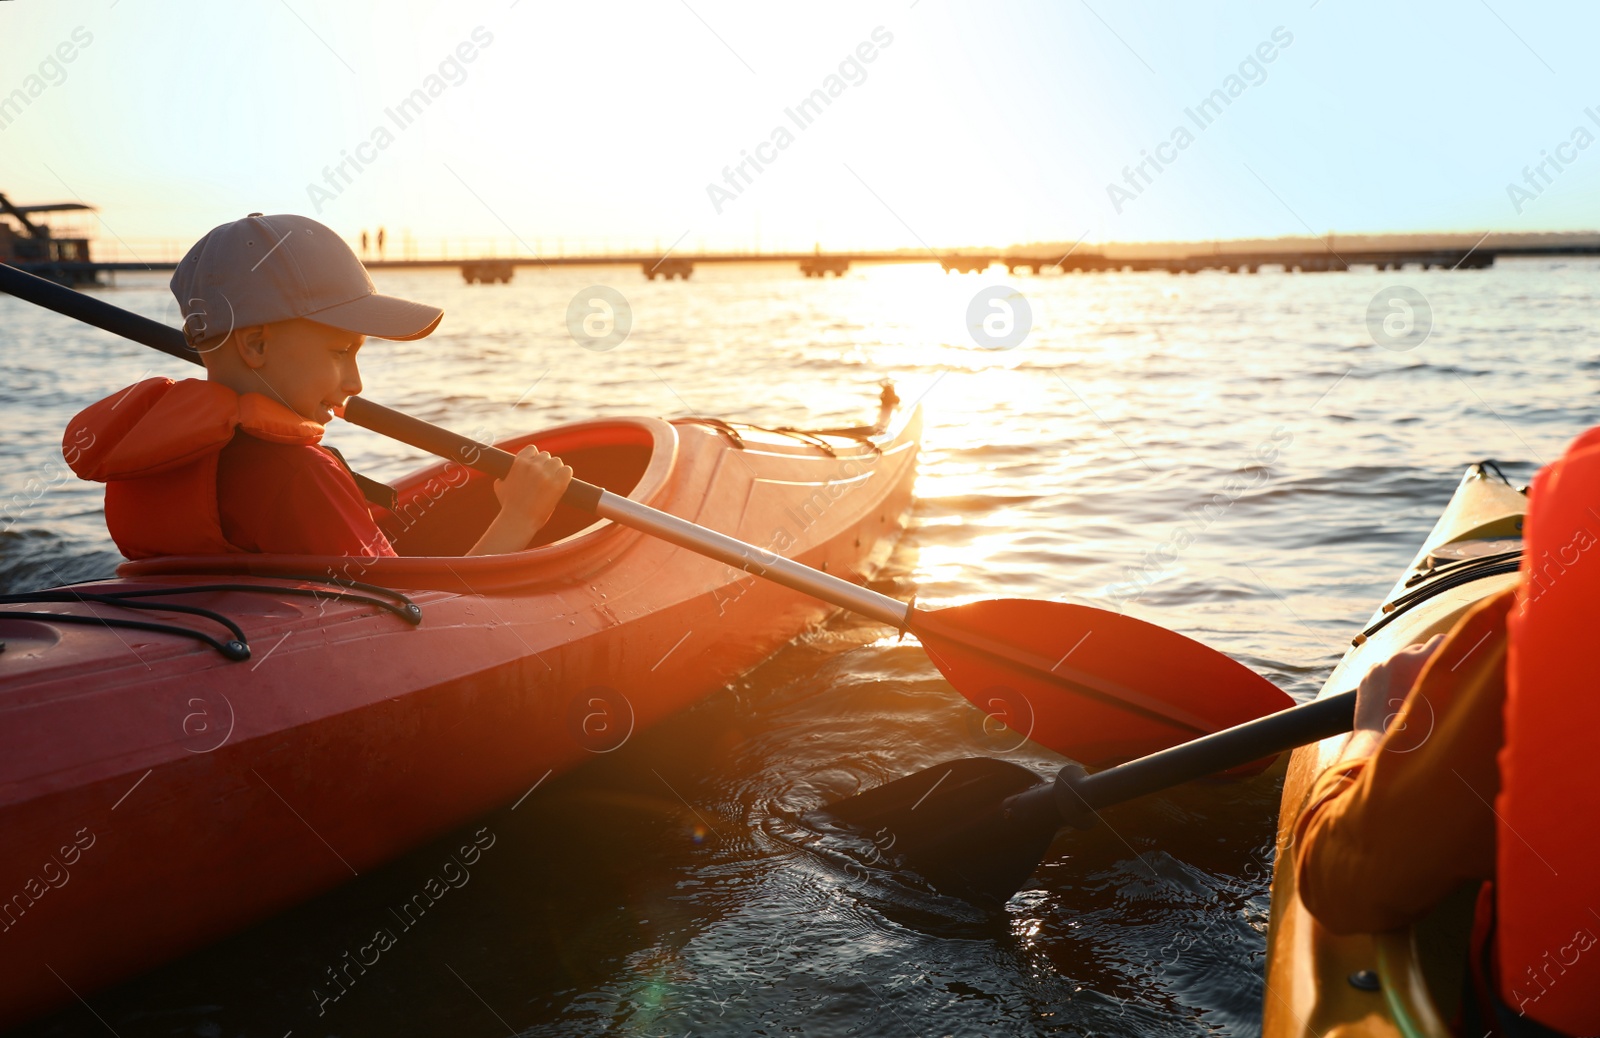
[[636, 456]]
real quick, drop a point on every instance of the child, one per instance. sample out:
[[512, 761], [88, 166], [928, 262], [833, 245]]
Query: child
[[278, 307]]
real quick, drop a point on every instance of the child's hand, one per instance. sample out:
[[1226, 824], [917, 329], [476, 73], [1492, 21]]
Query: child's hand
[[533, 487]]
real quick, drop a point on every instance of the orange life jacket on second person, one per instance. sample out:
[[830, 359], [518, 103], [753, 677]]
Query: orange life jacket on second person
[[155, 446], [1547, 882]]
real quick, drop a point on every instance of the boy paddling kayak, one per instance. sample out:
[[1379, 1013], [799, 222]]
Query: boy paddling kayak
[[278, 308], [389, 712]]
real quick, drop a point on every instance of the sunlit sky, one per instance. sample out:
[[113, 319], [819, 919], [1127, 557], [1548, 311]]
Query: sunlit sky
[[602, 124]]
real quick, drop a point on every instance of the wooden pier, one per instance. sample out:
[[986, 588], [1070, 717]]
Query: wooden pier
[[818, 266], [63, 262], [487, 271], [1308, 261], [967, 263], [837, 264], [33, 245], [668, 268]]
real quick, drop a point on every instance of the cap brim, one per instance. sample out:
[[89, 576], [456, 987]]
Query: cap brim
[[381, 317]]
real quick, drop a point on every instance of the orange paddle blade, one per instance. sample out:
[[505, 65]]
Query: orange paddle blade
[[1091, 684]]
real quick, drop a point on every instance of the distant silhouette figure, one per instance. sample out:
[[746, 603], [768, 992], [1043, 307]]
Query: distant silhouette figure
[[363, 243], [380, 243]]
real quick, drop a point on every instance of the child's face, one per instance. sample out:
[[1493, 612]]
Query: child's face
[[310, 366]]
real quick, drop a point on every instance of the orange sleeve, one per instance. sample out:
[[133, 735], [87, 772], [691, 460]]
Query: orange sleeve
[[1384, 839]]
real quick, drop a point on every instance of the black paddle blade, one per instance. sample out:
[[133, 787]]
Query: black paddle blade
[[974, 828]]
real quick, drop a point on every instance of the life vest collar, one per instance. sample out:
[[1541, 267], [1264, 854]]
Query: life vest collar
[[158, 425]]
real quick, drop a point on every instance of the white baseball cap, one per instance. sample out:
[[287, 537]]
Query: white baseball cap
[[274, 268]]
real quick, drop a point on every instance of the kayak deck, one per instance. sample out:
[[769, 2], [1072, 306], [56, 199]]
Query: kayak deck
[[1406, 982]]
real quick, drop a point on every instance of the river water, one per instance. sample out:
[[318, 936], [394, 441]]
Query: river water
[[1074, 465]]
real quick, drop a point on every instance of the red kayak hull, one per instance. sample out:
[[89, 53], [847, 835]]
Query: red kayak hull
[[155, 796]]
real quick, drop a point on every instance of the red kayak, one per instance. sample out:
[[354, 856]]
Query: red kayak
[[204, 741]]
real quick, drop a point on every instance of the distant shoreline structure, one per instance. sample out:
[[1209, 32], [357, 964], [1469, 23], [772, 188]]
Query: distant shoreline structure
[[37, 246], [1494, 241]]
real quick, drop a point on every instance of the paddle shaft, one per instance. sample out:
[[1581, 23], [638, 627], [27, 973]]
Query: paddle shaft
[[486, 458], [1078, 794]]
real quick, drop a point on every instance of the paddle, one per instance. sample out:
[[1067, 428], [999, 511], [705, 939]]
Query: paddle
[[977, 828], [1090, 684]]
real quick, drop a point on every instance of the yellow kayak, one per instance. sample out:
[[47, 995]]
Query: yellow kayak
[[1406, 982]]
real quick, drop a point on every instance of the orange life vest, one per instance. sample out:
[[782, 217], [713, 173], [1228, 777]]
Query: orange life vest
[[1547, 886], [155, 446]]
